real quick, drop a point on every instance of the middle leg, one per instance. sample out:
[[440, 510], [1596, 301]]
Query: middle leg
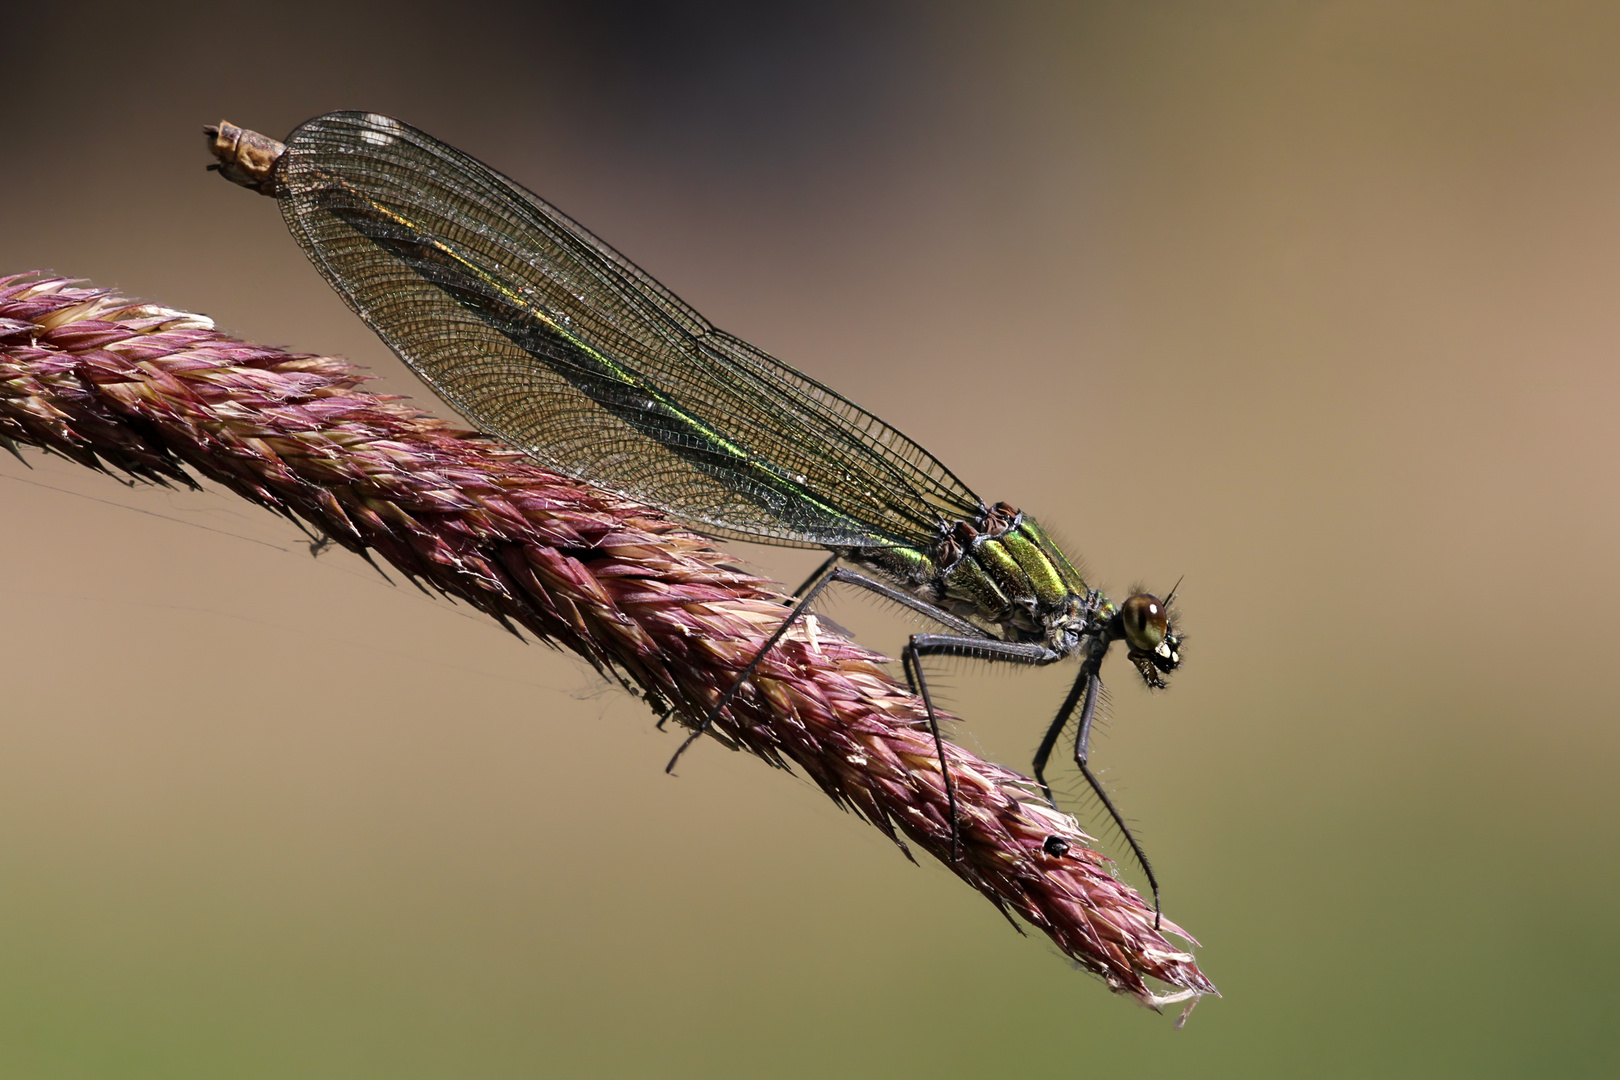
[[984, 648]]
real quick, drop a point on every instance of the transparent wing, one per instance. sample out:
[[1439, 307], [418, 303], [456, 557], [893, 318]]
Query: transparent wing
[[544, 336]]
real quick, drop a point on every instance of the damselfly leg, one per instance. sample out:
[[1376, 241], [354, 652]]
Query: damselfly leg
[[797, 603], [969, 642], [830, 573], [1087, 686]]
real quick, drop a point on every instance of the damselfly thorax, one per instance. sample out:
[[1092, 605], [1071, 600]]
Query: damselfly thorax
[[1003, 573]]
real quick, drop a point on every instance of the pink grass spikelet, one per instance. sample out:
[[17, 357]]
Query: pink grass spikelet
[[160, 395]]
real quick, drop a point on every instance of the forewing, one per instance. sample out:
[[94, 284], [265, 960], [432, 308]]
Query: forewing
[[546, 337]]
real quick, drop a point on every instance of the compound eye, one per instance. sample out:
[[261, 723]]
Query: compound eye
[[1145, 622]]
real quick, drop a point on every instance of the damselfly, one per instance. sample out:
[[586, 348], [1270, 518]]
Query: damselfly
[[546, 337]]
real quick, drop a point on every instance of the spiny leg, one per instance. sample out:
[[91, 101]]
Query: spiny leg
[[842, 576], [986, 648], [1082, 751], [972, 642], [815, 575], [748, 671], [911, 664], [828, 564], [1083, 684]]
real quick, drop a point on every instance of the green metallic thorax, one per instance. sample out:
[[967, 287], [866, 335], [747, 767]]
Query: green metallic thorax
[[1018, 581]]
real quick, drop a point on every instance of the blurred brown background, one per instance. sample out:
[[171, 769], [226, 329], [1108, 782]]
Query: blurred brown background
[[1314, 303]]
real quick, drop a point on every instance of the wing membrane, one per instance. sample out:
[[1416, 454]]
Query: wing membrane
[[545, 336]]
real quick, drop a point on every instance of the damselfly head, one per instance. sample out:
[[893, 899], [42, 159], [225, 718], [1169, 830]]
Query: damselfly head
[[1155, 647]]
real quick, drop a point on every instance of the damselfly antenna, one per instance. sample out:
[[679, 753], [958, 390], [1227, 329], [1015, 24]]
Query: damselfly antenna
[[1173, 590]]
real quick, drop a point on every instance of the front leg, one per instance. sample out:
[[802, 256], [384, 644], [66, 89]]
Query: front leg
[[1084, 684], [1082, 742]]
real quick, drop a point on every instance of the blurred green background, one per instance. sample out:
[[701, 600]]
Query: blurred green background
[[1314, 303]]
